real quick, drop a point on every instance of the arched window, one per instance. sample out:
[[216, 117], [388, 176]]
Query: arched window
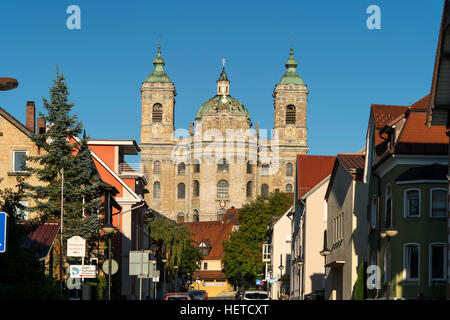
[[265, 190], [249, 189], [196, 215], [290, 114], [289, 169], [222, 166], [222, 189], [196, 188], [249, 166], [196, 166], [181, 190], [156, 190], [181, 169], [157, 167], [289, 188], [157, 112], [265, 169]]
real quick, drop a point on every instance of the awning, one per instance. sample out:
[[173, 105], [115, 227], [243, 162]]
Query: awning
[[40, 241]]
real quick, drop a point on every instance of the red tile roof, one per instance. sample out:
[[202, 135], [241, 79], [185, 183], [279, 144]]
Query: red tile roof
[[214, 232], [41, 240], [352, 161], [311, 170], [383, 114], [209, 275]]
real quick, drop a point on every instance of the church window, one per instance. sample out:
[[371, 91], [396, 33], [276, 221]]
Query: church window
[[196, 166], [222, 166], [249, 166], [290, 114], [181, 169], [289, 188], [157, 112], [265, 169], [249, 189], [156, 190], [222, 189], [265, 190], [196, 188], [289, 169], [181, 190], [196, 215], [157, 167]]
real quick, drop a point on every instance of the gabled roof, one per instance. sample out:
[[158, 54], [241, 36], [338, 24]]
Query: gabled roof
[[213, 233], [40, 241], [353, 163], [15, 122], [311, 170]]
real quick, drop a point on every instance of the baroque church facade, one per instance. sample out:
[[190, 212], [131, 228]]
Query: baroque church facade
[[224, 161]]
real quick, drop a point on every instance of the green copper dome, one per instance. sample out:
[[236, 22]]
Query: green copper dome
[[291, 76], [158, 74], [222, 100], [213, 104]]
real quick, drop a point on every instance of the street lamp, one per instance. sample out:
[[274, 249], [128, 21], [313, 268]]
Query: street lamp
[[324, 253], [176, 278], [108, 229], [281, 267], [8, 84], [388, 234]]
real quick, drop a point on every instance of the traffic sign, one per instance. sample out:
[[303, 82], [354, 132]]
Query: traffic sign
[[3, 225], [114, 266]]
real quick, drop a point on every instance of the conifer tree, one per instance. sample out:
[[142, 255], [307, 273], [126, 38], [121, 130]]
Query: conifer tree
[[62, 149]]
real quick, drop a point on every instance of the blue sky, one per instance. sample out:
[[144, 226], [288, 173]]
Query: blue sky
[[346, 66]]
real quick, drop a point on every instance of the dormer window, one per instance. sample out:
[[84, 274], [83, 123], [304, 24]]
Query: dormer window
[[204, 247]]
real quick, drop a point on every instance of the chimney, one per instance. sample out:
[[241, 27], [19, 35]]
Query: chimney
[[40, 126], [30, 114]]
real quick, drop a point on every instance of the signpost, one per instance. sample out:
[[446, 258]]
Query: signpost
[[83, 271], [143, 267], [76, 247], [3, 225]]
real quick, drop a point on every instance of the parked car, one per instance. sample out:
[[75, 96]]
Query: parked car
[[198, 295], [318, 295], [255, 295], [177, 296]]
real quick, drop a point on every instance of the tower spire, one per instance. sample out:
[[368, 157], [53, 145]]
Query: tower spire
[[158, 74], [223, 84]]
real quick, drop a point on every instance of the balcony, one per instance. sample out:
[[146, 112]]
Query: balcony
[[132, 170]]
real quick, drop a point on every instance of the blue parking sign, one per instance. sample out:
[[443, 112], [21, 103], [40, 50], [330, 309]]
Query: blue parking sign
[[3, 224]]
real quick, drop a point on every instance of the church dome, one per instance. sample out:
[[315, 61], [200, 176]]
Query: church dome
[[222, 100], [212, 105]]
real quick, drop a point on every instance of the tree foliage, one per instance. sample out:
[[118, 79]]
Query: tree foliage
[[242, 251], [62, 149], [21, 274], [174, 243]]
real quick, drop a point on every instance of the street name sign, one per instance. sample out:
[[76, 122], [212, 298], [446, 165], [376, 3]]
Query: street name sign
[[76, 247], [3, 224]]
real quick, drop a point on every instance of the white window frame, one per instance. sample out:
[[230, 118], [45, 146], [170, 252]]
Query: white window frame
[[14, 159], [405, 203], [405, 263], [431, 202], [26, 204], [430, 260]]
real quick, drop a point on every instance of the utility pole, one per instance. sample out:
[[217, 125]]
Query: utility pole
[[62, 231]]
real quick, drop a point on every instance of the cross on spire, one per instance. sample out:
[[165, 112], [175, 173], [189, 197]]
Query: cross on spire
[[223, 62]]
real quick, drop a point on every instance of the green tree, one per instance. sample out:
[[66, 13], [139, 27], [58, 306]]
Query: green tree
[[21, 274], [360, 287], [64, 150], [174, 242], [242, 251]]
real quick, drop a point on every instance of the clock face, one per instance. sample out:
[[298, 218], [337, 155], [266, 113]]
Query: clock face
[[290, 130], [157, 129]]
